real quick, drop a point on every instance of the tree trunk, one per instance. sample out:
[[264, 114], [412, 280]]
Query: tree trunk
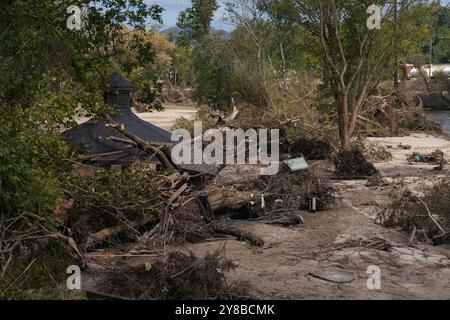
[[344, 121]]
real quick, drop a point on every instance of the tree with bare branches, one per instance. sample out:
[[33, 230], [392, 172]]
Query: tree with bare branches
[[357, 58]]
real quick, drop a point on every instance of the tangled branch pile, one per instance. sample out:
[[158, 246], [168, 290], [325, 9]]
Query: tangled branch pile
[[180, 277], [106, 199], [426, 215]]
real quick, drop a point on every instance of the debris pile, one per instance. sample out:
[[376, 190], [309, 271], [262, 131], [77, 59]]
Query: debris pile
[[150, 203], [376, 151], [353, 164], [435, 157], [179, 277], [424, 215], [376, 181]]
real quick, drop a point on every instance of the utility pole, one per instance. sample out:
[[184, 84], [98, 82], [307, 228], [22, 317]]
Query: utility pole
[[431, 56], [395, 52]]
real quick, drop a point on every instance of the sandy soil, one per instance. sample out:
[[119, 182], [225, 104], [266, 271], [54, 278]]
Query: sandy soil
[[164, 119], [333, 240], [419, 142]]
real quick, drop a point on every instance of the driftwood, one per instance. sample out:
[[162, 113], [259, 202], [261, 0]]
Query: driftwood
[[177, 194], [157, 150], [223, 198], [101, 155], [108, 232], [240, 234], [222, 120]]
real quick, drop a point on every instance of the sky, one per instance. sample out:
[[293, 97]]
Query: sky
[[173, 8]]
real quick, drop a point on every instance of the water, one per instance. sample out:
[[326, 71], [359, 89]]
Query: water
[[441, 117]]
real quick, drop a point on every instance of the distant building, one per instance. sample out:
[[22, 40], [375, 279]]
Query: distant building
[[435, 68]]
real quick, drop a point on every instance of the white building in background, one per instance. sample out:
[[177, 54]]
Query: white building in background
[[435, 68]]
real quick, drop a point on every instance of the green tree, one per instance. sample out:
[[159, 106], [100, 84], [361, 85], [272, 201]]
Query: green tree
[[213, 72], [442, 48], [195, 22], [357, 58], [48, 72], [210, 61]]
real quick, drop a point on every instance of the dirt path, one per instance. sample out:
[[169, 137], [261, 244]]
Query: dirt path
[[166, 119], [163, 119]]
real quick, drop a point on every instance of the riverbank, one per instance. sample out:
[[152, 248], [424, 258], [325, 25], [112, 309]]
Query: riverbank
[[440, 117]]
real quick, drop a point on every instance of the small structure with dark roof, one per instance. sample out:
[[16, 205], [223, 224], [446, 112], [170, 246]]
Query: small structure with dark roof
[[95, 136]]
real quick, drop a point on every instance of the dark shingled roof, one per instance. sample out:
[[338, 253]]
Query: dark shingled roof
[[119, 82], [92, 134]]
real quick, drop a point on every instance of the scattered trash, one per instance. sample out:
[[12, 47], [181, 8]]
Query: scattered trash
[[436, 157], [312, 204], [296, 164], [334, 276], [406, 146]]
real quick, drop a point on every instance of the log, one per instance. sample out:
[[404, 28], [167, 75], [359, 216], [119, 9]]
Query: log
[[239, 234], [223, 198], [101, 235], [101, 155]]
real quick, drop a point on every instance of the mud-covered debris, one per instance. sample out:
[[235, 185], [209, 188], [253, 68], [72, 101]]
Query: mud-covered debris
[[179, 277], [425, 215], [334, 276], [374, 243], [282, 217], [296, 164], [376, 181], [436, 157], [405, 146]]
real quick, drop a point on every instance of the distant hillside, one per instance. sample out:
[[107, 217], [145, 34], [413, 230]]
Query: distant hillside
[[175, 31], [172, 31]]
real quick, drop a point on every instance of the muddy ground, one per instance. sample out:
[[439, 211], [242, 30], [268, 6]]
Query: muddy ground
[[343, 238]]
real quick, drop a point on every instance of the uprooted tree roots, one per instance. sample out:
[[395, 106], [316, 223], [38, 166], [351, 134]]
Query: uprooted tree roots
[[180, 276], [353, 164]]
